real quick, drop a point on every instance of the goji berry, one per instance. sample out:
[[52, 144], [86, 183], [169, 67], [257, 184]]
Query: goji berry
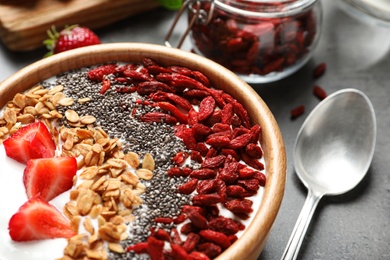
[[319, 70], [155, 248], [229, 172], [242, 113], [196, 156], [206, 186], [210, 249], [225, 225], [214, 118], [239, 206], [161, 234], [254, 151], [203, 174], [195, 255], [216, 237], [137, 75], [319, 92], [158, 117], [178, 172], [240, 141], [188, 187], [188, 139], [199, 76], [188, 228], [187, 209], [221, 141], [163, 220], [197, 220], [202, 148], [222, 127], [139, 248], [255, 131], [99, 73], [106, 84], [250, 184], [180, 219], [232, 153], [192, 117], [180, 157], [178, 252], [148, 87], [206, 108], [255, 163], [214, 162], [200, 131], [206, 199], [176, 238], [182, 118], [195, 93], [237, 191], [191, 241], [297, 111]]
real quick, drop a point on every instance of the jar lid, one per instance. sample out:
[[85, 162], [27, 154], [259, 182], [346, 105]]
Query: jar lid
[[265, 8]]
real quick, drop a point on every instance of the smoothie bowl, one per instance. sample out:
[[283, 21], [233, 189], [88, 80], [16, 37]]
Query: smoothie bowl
[[136, 151]]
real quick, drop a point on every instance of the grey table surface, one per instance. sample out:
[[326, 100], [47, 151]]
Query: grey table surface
[[355, 225]]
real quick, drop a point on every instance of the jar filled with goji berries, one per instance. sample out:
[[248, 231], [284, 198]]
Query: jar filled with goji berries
[[260, 40]]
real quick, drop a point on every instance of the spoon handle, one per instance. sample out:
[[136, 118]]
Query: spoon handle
[[299, 231]]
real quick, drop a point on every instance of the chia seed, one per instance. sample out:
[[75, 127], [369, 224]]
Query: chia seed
[[113, 112]]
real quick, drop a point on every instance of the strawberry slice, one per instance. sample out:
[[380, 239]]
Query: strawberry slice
[[37, 219], [30, 142], [49, 177]]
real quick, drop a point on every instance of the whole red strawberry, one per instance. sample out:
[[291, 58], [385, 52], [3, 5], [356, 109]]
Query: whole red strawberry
[[71, 37]]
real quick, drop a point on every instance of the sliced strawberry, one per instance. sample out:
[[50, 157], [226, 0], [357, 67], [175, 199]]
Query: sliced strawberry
[[49, 177], [30, 142], [37, 219]]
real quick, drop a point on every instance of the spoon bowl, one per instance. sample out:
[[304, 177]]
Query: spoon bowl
[[332, 153]]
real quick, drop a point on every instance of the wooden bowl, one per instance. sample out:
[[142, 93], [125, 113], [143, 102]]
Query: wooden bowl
[[253, 239]]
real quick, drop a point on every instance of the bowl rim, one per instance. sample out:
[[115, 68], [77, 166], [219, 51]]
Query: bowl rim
[[251, 242]]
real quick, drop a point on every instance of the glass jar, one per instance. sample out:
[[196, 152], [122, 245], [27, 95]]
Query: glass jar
[[260, 40]]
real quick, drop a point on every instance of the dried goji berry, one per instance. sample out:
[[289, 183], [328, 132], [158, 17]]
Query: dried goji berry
[[225, 225], [254, 151], [176, 99], [188, 228], [206, 199], [214, 162], [319, 92], [199, 76], [137, 75], [214, 118], [255, 163], [237, 191], [195, 255], [180, 219], [192, 117], [197, 219], [210, 249], [155, 248], [139, 248], [196, 156], [200, 131], [188, 187], [203, 174], [230, 152], [221, 141], [229, 173], [222, 127], [246, 173], [182, 118], [191, 241], [202, 148], [188, 139], [98, 73], [180, 157], [297, 111], [206, 108], [187, 209], [176, 238], [250, 184], [216, 237], [178, 252], [148, 87], [255, 132], [195, 93], [158, 117], [161, 234], [319, 70], [239, 206], [242, 113], [240, 141], [178, 172], [163, 220], [260, 177], [206, 187], [221, 189]]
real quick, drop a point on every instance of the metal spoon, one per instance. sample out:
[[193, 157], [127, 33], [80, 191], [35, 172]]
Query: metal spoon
[[332, 153]]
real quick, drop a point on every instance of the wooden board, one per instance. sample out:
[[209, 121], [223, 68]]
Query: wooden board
[[23, 23]]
